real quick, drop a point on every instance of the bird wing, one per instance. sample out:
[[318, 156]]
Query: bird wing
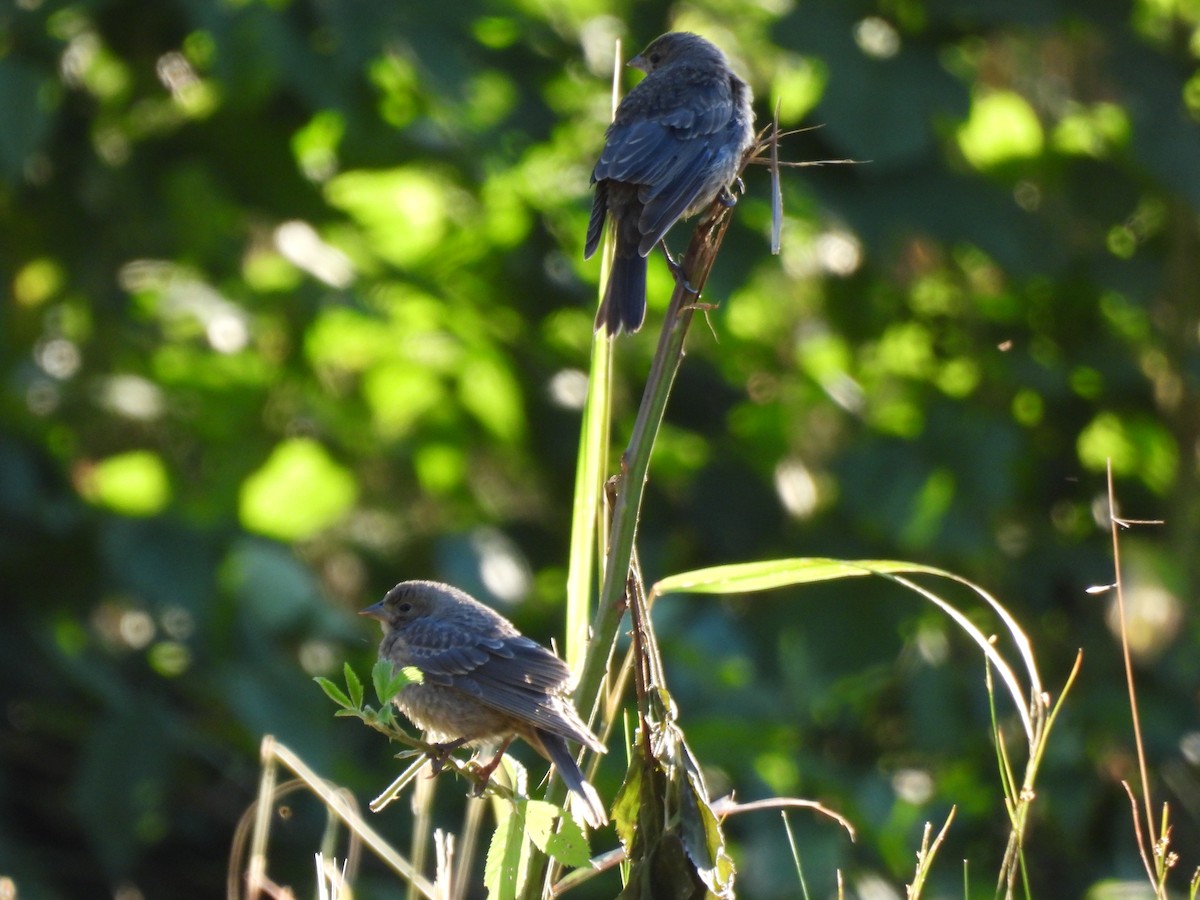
[[667, 148], [596, 220], [509, 673]]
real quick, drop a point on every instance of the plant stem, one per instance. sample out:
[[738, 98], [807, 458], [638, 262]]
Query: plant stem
[[635, 462]]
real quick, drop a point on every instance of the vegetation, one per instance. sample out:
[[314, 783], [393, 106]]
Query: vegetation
[[297, 309]]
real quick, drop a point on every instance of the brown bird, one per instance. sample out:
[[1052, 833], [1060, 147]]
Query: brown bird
[[675, 143], [483, 681]]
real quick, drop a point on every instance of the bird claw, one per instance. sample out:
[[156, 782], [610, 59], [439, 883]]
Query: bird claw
[[480, 787], [483, 774], [439, 754], [675, 267], [726, 196], [677, 270]]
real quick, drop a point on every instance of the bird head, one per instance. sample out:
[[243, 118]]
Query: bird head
[[672, 45], [406, 601]]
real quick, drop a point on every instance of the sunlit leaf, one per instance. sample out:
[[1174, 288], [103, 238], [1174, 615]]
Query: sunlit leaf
[[1002, 128], [556, 833], [334, 693], [354, 685], [134, 483], [507, 859], [491, 394], [405, 211], [297, 492], [390, 681]]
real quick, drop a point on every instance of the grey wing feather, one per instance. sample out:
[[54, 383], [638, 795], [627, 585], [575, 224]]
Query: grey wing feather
[[596, 220], [513, 674], [661, 211], [668, 156], [524, 679], [443, 650], [634, 147], [538, 709], [521, 661]]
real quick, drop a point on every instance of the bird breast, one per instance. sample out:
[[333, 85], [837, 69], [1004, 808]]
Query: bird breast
[[446, 714]]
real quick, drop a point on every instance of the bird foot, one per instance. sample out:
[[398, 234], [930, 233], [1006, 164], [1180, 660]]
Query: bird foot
[[484, 773], [440, 753], [726, 196], [677, 270], [480, 786]]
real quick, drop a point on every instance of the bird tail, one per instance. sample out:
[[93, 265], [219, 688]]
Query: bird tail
[[588, 802], [624, 305]]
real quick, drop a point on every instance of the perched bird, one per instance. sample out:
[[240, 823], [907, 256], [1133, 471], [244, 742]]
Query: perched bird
[[675, 143], [483, 681]]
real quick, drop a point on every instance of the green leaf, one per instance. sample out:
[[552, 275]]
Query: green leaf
[[775, 573], [381, 674], [299, 490], [567, 844], [333, 692], [390, 681], [507, 859], [540, 817], [355, 686], [627, 803], [589, 489], [759, 576]]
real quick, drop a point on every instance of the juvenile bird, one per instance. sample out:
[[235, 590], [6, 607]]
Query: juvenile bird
[[483, 681], [675, 143]]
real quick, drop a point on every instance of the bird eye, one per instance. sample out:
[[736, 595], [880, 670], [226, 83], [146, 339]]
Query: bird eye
[[654, 58], [404, 607]]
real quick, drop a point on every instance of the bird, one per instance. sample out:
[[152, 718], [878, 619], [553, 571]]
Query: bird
[[483, 681], [675, 143]]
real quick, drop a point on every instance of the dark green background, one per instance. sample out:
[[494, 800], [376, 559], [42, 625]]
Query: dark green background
[[211, 456]]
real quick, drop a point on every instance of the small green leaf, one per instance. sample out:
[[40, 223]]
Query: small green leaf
[[507, 859], [333, 692], [390, 681], [381, 674], [355, 686], [540, 817], [568, 845]]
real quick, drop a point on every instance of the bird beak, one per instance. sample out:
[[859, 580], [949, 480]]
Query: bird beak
[[639, 62], [375, 611]]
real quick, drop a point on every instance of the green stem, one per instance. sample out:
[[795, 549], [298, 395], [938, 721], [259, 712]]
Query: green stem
[[635, 464]]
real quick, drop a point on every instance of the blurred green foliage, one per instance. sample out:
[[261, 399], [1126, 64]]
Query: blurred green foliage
[[295, 308]]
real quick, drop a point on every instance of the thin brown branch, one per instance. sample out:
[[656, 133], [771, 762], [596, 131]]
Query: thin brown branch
[[1137, 831]]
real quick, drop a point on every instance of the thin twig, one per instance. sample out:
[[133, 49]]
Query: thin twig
[[727, 806], [1137, 830], [776, 188], [1128, 658], [927, 853], [273, 751]]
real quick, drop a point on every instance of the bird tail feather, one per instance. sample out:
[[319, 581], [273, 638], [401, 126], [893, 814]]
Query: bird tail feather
[[624, 305], [588, 803]]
